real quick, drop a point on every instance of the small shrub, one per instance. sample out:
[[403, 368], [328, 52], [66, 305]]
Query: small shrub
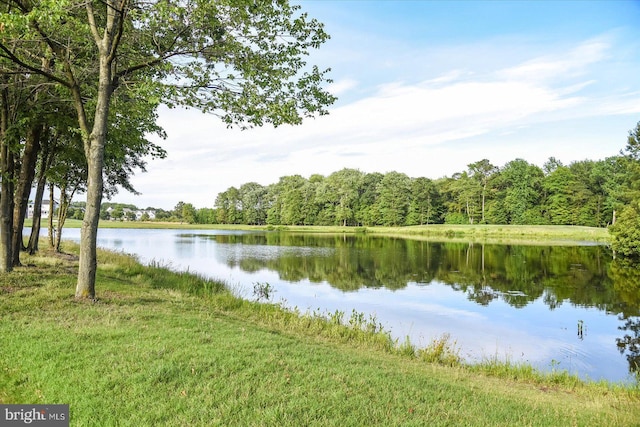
[[441, 350], [336, 318], [406, 348], [263, 291], [357, 320]]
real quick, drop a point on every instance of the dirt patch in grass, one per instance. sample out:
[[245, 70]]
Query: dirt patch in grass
[[64, 256]]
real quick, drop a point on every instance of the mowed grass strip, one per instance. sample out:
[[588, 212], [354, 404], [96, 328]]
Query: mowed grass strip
[[148, 354], [489, 233]]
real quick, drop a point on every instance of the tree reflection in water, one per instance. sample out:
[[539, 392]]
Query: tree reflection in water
[[584, 276], [629, 344], [626, 281]]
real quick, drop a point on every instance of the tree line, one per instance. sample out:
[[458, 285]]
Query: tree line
[[582, 193], [586, 193], [594, 193], [591, 193]]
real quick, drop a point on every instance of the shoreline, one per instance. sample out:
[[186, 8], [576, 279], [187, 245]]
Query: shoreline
[[498, 234]]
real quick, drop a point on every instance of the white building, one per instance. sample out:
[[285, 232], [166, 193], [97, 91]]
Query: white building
[[150, 213], [44, 211]]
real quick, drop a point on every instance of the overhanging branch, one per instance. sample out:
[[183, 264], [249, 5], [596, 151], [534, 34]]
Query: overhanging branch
[[16, 60]]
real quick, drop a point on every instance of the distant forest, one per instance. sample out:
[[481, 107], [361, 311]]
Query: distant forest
[[581, 193]]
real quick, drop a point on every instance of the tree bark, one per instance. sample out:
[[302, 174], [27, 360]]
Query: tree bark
[[95, 141], [34, 237], [6, 210], [45, 163], [85, 287], [62, 217], [63, 209], [50, 217], [484, 191], [6, 187], [23, 189], [94, 152]]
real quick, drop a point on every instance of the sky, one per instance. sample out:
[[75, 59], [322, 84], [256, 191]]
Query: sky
[[426, 88]]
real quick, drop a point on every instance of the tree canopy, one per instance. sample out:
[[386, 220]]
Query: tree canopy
[[244, 62], [583, 193]]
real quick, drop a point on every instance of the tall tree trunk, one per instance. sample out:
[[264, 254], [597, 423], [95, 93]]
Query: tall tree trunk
[[34, 237], [94, 142], [50, 217], [62, 217], [6, 186], [23, 188], [94, 152], [63, 209], [484, 190], [85, 287], [6, 209], [45, 163]]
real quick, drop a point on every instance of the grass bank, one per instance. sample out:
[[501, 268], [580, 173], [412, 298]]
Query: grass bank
[[521, 234], [161, 348], [554, 234]]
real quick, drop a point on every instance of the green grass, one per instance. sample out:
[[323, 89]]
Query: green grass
[[526, 233], [520, 234], [158, 349]]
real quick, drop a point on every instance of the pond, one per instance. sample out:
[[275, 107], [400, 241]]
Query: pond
[[554, 307]]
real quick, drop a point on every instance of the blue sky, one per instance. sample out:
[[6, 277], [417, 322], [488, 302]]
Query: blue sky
[[425, 88]]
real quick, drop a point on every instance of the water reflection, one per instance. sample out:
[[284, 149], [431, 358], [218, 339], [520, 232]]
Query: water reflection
[[629, 344], [582, 276], [560, 307], [517, 275], [626, 282]]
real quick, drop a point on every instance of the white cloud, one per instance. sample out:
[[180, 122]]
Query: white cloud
[[341, 86], [560, 65], [432, 127]]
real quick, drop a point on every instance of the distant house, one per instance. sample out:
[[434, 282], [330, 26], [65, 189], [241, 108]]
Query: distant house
[[150, 213], [127, 214], [44, 211]]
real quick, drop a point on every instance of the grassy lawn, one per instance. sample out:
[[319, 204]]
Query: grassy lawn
[[161, 348]]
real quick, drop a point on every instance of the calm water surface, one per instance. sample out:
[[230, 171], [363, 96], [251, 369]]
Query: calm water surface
[[570, 308]]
